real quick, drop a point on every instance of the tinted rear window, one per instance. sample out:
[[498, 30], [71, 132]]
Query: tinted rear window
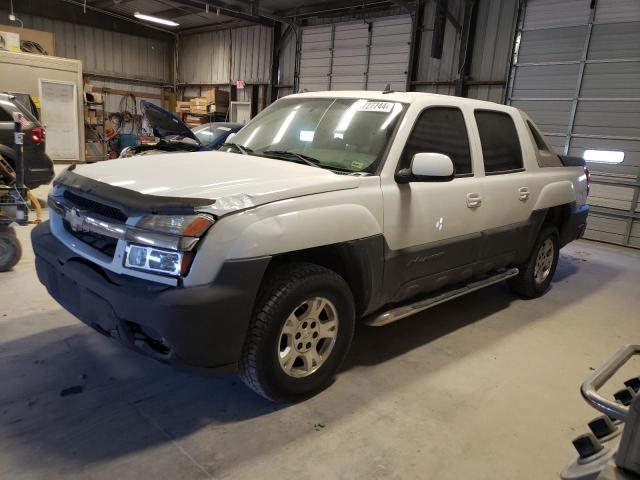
[[9, 105], [500, 144], [5, 116]]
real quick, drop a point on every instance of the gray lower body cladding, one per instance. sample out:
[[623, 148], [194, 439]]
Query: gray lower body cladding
[[205, 326], [201, 327], [414, 271]]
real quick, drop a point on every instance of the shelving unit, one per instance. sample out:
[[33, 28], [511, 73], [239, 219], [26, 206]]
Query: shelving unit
[[95, 144]]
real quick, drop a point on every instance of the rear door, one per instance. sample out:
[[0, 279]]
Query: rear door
[[506, 190]]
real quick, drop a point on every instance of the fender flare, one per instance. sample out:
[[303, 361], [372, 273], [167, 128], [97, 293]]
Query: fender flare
[[554, 194], [304, 229]]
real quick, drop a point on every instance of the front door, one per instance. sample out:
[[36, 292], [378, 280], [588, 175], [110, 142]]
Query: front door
[[433, 229]]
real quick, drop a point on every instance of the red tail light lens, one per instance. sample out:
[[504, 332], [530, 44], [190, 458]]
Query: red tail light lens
[[37, 134], [588, 174]]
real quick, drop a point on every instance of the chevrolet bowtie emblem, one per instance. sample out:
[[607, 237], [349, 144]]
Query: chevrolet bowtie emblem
[[76, 221]]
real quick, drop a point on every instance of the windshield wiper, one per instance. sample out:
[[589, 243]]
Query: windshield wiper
[[314, 162], [242, 149]]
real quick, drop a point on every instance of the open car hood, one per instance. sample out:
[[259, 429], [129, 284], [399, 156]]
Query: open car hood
[[165, 124]]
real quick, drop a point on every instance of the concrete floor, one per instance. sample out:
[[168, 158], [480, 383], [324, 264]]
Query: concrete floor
[[482, 387]]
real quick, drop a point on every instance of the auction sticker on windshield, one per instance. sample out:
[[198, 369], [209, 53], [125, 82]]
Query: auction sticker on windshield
[[384, 107]]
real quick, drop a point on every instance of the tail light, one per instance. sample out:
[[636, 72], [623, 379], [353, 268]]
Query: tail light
[[37, 134], [588, 175]]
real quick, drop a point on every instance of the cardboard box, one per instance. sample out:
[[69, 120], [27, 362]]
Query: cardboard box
[[217, 96], [45, 39], [183, 106], [9, 41], [218, 108], [193, 120], [198, 101]]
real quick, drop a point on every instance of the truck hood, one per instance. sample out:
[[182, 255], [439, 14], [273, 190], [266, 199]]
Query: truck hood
[[231, 181], [166, 124]]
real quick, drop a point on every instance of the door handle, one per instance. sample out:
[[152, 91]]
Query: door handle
[[523, 194], [474, 200]]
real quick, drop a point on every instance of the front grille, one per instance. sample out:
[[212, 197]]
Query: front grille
[[95, 207], [106, 245]]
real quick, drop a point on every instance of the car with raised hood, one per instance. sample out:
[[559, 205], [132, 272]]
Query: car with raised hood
[[325, 209], [175, 136]]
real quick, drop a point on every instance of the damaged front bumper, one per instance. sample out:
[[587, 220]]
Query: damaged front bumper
[[202, 327]]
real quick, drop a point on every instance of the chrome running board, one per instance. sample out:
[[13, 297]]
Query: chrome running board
[[403, 311]]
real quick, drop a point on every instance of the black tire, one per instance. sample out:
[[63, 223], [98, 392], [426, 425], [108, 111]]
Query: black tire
[[525, 283], [283, 290], [10, 249]]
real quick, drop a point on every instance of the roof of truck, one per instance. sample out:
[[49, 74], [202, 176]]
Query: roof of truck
[[406, 97]]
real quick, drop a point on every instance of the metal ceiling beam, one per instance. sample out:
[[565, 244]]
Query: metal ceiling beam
[[229, 10], [173, 13], [73, 12], [405, 5], [108, 3], [332, 7]]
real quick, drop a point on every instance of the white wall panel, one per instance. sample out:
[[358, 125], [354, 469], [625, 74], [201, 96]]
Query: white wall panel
[[546, 81], [617, 11], [554, 13], [350, 57], [390, 50], [106, 52], [356, 55], [315, 58], [552, 45], [570, 99]]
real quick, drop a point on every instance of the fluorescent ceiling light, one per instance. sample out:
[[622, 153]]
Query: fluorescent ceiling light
[[307, 135], [151, 18], [603, 156]]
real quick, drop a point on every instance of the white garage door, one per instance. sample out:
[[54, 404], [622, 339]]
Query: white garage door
[[577, 73], [356, 56]]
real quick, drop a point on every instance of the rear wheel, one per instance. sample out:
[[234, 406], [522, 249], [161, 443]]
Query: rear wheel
[[301, 331], [537, 272], [10, 249]]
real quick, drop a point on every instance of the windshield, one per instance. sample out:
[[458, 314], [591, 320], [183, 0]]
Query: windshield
[[347, 134], [210, 132]]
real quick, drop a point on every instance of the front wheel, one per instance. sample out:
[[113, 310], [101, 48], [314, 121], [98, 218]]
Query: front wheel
[[10, 249], [300, 333], [537, 272]]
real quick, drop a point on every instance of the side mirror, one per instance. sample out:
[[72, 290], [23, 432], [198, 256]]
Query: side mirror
[[427, 167], [229, 137]]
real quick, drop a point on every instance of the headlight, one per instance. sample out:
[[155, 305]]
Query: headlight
[[156, 260], [164, 243]]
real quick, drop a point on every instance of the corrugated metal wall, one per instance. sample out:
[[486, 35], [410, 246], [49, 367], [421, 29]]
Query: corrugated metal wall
[[578, 76], [492, 47], [432, 71], [105, 52], [286, 65], [224, 56], [491, 50]]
